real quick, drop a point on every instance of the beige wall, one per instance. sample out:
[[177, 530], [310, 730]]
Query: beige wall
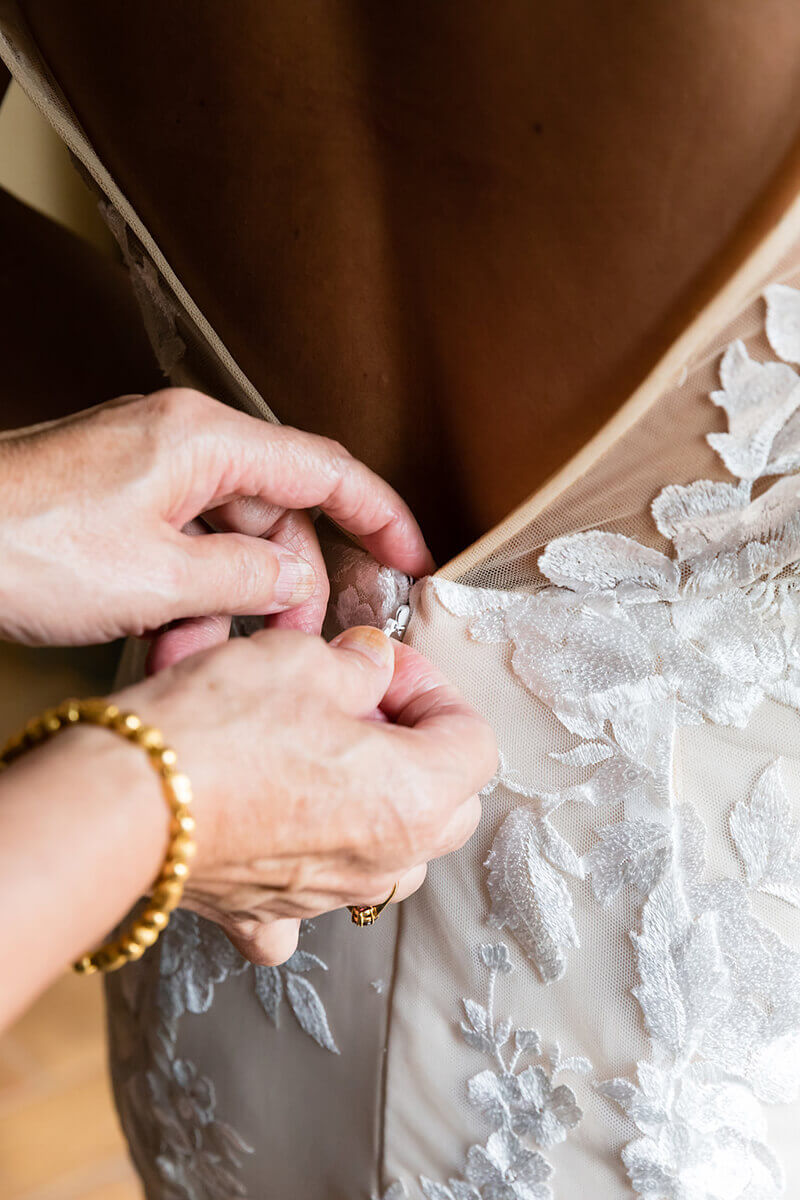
[[35, 166]]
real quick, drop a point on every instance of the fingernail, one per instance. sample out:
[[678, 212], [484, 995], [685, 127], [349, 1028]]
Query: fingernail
[[370, 642], [296, 580]]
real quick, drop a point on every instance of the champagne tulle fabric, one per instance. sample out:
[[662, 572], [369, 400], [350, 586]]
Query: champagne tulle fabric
[[600, 994]]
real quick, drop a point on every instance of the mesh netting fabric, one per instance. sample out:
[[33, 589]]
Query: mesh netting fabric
[[591, 1009]]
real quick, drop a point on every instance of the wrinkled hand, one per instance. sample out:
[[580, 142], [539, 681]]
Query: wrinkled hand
[[99, 511], [304, 800]]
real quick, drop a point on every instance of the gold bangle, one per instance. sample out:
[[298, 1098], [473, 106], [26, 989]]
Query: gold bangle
[[168, 887]]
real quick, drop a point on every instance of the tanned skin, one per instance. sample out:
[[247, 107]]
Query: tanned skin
[[452, 236]]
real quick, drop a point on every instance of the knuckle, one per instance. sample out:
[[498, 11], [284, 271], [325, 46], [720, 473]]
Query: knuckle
[[472, 755], [431, 837], [235, 653], [463, 828], [163, 405], [414, 880], [314, 663], [273, 954], [335, 450], [308, 655], [170, 577], [189, 400], [225, 669], [178, 405], [428, 819], [298, 660], [372, 888], [246, 930]]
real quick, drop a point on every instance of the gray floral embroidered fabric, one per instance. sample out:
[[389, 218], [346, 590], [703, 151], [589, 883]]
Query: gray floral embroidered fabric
[[178, 1141]]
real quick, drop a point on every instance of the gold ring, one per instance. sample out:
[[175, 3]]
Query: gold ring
[[367, 914]]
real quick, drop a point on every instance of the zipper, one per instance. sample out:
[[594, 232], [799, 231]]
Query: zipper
[[397, 625]]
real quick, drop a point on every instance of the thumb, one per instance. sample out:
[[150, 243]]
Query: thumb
[[363, 666], [239, 575]]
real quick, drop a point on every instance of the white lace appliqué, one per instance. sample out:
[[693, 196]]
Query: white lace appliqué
[[767, 836], [520, 1104], [625, 646]]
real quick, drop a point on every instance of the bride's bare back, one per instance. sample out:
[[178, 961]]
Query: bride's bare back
[[451, 236]]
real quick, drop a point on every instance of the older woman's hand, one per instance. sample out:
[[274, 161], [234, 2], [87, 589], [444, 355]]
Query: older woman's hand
[[304, 800], [321, 774], [98, 509]]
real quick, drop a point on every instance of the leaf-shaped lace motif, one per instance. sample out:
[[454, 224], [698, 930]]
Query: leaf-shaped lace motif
[[269, 989], [759, 398], [595, 562], [630, 852], [528, 896], [684, 980], [309, 1010], [783, 321], [196, 956], [767, 835], [273, 984]]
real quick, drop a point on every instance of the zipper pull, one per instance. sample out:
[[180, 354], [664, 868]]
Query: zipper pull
[[397, 625]]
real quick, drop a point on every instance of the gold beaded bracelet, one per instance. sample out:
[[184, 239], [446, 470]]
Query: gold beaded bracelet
[[168, 887]]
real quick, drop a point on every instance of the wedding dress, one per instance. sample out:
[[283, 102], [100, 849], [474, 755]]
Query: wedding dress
[[600, 994]]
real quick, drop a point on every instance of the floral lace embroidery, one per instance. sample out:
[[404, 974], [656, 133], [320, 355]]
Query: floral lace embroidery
[[767, 836], [275, 983], [516, 1103], [198, 1155], [626, 645], [181, 1148], [168, 1109], [528, 894], [196, 956]]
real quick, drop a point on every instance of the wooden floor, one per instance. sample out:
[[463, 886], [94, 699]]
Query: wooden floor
[[59, 1138]]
